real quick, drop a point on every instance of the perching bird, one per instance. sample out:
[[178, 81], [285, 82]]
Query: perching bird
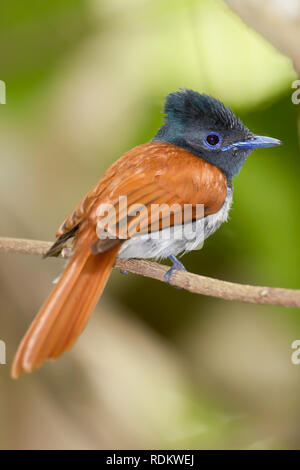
[[192, 160]]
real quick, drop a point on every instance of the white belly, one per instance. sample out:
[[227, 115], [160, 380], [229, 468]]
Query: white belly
[[176, 241]]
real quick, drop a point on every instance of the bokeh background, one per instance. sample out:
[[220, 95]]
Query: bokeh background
[[156, 367]]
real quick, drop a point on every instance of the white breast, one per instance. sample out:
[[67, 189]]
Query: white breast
[[178, 239]]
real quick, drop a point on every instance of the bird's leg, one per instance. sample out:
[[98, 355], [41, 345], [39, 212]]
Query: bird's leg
[[177, 266], [124, 271]]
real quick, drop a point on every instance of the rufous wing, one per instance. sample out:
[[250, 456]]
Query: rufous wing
[[151, 175]]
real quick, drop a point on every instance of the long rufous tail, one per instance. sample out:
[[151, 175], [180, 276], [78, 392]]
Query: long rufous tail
[[66, 311]]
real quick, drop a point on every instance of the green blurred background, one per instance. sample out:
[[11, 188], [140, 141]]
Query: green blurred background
[[156, 367]]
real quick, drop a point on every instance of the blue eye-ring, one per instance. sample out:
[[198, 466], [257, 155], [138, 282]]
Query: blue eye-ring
[[213, 140]]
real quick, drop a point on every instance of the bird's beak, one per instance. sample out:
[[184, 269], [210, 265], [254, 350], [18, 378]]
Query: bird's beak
[[257, 141]]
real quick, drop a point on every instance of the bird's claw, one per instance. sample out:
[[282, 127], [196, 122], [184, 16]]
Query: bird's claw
[[177, 266], [124, 271]]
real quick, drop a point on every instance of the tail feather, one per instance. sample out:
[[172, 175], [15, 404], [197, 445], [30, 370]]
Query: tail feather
[[66, 311]]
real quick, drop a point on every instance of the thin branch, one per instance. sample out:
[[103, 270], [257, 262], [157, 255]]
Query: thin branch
[[275, 21], [191, 282]]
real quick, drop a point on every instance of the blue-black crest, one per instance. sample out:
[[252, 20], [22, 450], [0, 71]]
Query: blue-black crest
[[191, 105]]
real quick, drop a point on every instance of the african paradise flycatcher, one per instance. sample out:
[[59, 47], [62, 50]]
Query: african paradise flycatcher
[[192, 160]]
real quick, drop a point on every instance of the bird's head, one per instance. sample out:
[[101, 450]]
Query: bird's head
[[209, 129]]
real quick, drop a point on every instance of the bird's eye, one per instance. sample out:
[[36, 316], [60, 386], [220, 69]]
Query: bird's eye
[[212, 140]]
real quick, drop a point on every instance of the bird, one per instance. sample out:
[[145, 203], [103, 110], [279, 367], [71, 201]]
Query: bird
[[191, 161]]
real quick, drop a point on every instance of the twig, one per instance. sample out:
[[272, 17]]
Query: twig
[[273, 20], [191, 282]]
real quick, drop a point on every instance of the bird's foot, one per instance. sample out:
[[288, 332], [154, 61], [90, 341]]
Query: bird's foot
[[177, 266], [124, 271]]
